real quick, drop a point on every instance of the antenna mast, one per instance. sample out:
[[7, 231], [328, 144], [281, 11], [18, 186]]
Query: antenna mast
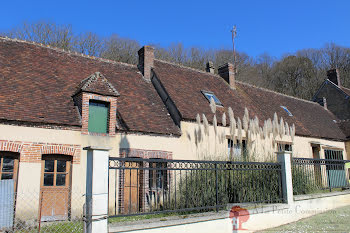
[[234, 34]]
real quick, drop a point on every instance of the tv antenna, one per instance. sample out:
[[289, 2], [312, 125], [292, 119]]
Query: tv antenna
[[234, 34]]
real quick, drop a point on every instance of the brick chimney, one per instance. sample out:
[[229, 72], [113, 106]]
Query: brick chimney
[[226, 72], [210, 67], [146, 61], [333, 75]]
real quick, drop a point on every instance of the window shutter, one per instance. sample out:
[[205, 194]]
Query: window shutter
[[98, 117]]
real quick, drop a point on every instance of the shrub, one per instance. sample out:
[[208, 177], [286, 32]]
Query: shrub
[[304, 181], [238, 185]]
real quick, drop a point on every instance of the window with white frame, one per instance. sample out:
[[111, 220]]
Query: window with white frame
[[238, 150], [284, 146]]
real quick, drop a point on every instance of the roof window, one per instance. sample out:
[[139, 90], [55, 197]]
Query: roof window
[[286, 109], [210, 95]]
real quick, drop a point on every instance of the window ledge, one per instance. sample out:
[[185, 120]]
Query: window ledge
[[99, 134]]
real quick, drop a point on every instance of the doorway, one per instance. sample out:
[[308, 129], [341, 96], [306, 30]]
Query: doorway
[[8, 186], [132, 187], [55, 187], [9, 166]]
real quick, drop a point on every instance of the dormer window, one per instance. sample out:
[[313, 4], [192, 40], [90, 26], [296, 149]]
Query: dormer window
[[96, 100], [208, 95], [98, 116], [286, 109]]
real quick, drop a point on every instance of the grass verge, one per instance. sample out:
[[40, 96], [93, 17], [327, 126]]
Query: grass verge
[[336, 220]]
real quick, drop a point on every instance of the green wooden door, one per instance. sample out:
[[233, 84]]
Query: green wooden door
[[98, 117]]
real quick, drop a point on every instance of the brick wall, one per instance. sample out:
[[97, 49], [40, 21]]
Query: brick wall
[[32, 152]]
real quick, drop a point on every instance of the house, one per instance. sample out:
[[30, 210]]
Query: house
[[53, 103], [335, 98]]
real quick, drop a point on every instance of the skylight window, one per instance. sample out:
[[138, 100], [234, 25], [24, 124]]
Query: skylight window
[[210, 95], [286, 109]]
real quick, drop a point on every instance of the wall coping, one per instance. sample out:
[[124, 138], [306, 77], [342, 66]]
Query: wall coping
[[320, 195], [191, 218], [170, 221]]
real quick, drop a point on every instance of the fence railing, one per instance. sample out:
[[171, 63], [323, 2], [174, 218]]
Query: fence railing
[[318, 175], [143, 186]]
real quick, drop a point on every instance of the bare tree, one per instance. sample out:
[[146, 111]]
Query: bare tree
[[88, 43], [121, 49], [295, 76], [60, 36]]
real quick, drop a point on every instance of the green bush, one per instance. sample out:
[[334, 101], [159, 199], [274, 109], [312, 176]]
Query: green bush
[[304, 181], [198, 188]]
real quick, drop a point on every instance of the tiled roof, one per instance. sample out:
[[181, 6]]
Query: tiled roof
[[345, 126], [37, 84], [184, 86], [97, 83]]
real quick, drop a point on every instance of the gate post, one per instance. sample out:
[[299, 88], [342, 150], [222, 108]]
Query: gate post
[[97, 189], [284, 158]]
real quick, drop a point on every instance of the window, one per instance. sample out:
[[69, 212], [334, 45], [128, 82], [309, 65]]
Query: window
[[333, 154], [98, 116], [286, 109], [210, 95], [284, 147], [8, 165], [56, 171], [239, 150], [158, 178]]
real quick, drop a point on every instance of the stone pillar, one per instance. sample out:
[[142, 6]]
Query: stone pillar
[[284, 158], [97, 190]]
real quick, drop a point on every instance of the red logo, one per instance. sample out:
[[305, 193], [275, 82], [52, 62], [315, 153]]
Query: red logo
[[239, 216]]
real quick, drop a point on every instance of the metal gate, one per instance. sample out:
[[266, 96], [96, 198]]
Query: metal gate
[[335, 171]]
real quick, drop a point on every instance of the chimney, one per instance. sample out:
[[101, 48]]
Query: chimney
[[146, 61], [226, 72], [210, 67], [333, 75], [325, 103]]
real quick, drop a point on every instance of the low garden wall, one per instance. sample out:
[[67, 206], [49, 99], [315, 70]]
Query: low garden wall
[[253, 219]]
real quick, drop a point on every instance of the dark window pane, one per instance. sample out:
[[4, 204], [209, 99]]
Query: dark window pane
[[6, 176], [61, 166], [8, 165], [48, 179], [61, 180], [49, 164]]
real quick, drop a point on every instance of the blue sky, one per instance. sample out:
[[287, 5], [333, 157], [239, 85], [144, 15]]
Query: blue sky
[[275, 27]]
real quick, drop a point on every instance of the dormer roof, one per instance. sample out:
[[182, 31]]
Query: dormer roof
[[98, 84]]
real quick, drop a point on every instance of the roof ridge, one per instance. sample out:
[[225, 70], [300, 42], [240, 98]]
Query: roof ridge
[[345, 120], [336, 86], [187, 67], [275, 92], [241, 82], [65, 51]]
